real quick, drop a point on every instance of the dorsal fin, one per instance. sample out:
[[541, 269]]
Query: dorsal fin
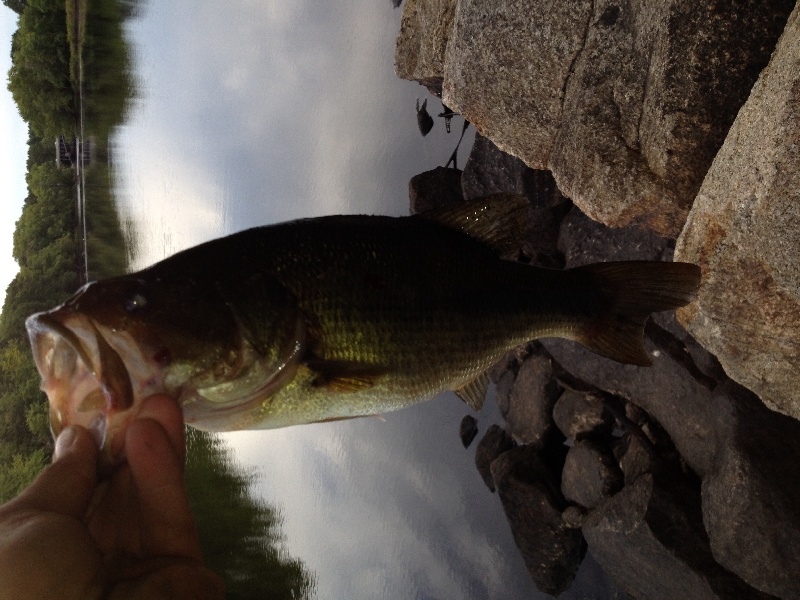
[[473, 393], [498, 220]]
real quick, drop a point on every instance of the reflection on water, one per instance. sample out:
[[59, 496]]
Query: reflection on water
[[268, 111], [239, 535]]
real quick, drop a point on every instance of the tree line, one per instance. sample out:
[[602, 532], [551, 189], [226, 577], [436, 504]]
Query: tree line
[[44, 239]]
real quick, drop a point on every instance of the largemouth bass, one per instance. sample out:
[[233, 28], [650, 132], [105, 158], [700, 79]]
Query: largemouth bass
[[329, 318]]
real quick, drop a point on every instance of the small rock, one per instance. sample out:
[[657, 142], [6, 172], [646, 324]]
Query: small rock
[[573, 517], [590, 474], [531, 399], [533, 505], [494, 443], [468, 430], [424, 119], [503, 388], [435, 188], [579, 415]]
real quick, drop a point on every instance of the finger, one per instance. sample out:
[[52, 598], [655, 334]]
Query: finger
[[168, 528], [65, 486], [167, 412]]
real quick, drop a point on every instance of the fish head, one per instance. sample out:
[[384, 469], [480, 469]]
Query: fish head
[[117, 341]]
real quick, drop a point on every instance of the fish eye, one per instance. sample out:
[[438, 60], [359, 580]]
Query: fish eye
[[135, 302]]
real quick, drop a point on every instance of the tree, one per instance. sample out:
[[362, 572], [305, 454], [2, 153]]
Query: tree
[[49, 217], [19, 389], [16, 5], [19, 471], [39, 75]]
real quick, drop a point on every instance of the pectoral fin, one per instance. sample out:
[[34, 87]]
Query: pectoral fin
[[473, 393], [345, 376]]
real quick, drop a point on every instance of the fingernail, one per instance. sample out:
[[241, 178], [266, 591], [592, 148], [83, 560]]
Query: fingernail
[[65, 441]]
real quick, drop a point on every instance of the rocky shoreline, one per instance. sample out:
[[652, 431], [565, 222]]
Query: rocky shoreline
[[682, 479]]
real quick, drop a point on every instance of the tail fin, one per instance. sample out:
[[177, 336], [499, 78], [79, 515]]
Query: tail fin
[[631, 291]]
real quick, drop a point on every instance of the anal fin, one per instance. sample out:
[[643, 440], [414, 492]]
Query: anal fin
[[473, 393]]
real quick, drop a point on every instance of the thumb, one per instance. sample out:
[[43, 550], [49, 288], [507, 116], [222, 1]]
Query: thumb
[[66, 486]]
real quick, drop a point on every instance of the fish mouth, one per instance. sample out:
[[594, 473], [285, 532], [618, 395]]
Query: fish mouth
[[85, 378]]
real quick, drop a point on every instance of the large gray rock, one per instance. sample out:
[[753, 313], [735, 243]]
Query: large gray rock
[[421, 43], [744, 231], [533, 505], [751, 494], [649, 538], [626, 102]]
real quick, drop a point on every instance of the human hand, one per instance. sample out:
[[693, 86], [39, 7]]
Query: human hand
[[127, 537]]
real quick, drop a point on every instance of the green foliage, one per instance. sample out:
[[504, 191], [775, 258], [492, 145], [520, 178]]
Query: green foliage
[[48, 215], [239, 535], [40, 150], [50, 279], [37, 417], [19, 389], [16, 5], [19, 471], [39, 75]]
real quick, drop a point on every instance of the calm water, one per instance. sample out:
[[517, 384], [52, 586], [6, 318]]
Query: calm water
[[260, 112]]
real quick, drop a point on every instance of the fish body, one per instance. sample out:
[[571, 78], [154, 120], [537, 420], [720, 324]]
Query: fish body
[[328, 318]]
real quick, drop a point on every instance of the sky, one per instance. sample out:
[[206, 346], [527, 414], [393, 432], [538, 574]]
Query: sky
[[13, 155]]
